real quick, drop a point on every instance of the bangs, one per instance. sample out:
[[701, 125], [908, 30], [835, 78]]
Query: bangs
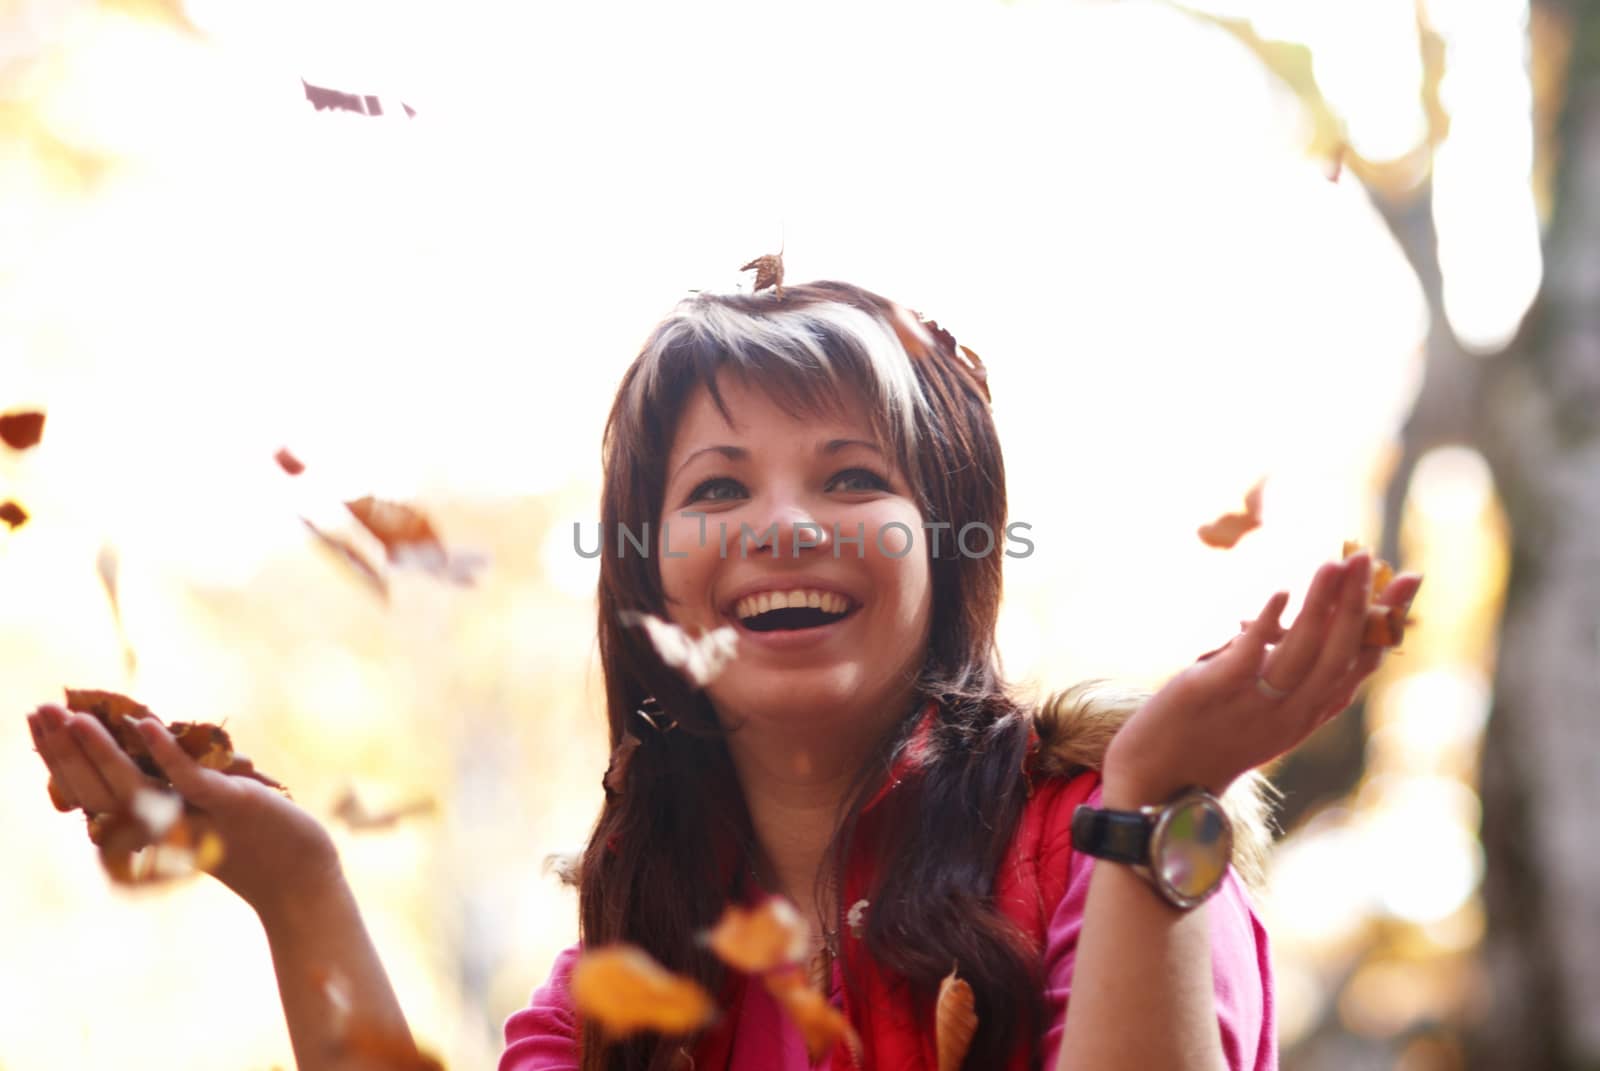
[[810, 354]]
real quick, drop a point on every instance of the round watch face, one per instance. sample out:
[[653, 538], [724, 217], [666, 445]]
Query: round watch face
[[1190, 848]]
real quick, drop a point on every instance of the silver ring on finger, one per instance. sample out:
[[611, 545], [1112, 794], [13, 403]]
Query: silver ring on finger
[[1268, 690]]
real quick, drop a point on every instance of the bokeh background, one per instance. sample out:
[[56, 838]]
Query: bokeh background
[[1351, 246]]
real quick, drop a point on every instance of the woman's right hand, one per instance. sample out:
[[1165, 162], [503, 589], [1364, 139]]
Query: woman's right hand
[[274, 852]]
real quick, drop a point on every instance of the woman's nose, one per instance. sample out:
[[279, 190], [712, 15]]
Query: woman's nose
[[793, 529]]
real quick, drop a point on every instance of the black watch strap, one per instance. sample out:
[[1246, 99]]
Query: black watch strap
[[1120, 836]]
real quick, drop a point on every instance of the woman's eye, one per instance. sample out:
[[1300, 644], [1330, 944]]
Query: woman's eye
[[702, 491], [866, 478]]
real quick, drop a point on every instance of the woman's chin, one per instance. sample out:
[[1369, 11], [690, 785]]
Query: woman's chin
[[787, 698]]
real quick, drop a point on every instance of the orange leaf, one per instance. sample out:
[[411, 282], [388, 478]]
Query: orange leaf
[[1385, 625], [1229, 528], [207, 744], [761, 938], [22, 430], [409, 539], [955, 1021], [623, 990], [14, 515], [288, 462], [820, 1023]]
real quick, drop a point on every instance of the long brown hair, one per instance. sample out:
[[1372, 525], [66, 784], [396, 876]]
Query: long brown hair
[[653, 870]]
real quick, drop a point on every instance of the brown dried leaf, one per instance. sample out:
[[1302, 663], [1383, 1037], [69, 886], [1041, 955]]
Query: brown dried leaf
[[288, 462], [1385, 625], [624, 990], [14, 515], [207, 744], [617, 769], [821, 1024], [353, 813], [762, 938], [769, 272], [1228, 529], [955, 1021], [23, 429], [410, 541]]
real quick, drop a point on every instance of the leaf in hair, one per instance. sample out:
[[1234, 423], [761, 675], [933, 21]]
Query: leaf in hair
[[762, 938], [1228, 529], [14, 515], [701, 659], [821, 1024], [616, 775], [22, 429], [624, 991], [955, 1021], [769, 272]]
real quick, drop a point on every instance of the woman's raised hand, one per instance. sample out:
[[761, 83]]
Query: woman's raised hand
[[274, 851], [1259, 696]]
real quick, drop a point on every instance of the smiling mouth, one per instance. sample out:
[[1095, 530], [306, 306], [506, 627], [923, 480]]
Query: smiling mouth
[[794, 612]]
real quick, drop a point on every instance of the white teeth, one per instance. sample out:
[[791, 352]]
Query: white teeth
[[826, 601]]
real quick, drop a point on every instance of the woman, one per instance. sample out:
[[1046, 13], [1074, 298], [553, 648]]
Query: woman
[[861, 754]]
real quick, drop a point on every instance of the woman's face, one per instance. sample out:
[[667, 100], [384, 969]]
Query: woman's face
[[848, 645]]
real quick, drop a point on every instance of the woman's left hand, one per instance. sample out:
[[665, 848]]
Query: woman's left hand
[[1256, 698]]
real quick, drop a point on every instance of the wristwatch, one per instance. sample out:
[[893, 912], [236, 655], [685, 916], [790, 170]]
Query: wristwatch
[[1182, 847]]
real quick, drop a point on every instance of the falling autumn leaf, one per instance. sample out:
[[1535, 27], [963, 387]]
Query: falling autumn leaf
[[701, 659], [353, 813], [769, 272], [14, 515], [762, 938], [410, 541], [624, 990], [348, 553], [107, 566], [353, 1039], [288, 462], [151, 841], [1228, 529], [23, 429], [955, 1021], [820, 1023]]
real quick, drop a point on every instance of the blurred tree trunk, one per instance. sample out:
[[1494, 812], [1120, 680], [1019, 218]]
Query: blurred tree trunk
[[1533, 411], [1539, 428]]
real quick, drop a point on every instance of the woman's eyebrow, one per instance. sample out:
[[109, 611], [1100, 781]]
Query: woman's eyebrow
[[833, 446], [732, 453]]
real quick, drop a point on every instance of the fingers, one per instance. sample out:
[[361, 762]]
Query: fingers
[[1291, 661], [195, 783], [77, 779], [114, 766], [1345, 629]]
